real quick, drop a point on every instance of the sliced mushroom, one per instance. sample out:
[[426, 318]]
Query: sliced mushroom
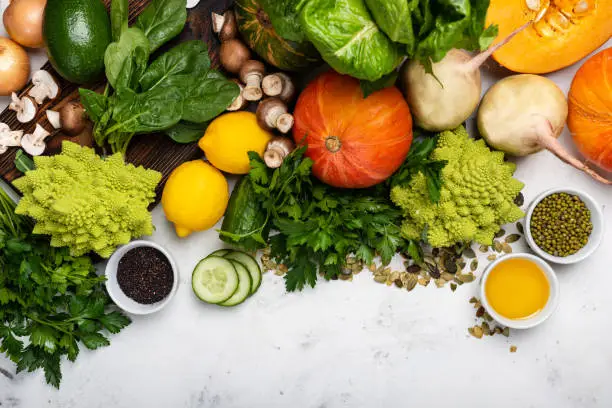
[[278, 148], [9, 138], [44, 87], [272, 114], [54, 119], [34, 144], [239, 103], [25, 108], [251, 73], [279, 84], [225, 25]]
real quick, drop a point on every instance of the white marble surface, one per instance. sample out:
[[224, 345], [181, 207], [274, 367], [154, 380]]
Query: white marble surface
[[349, 344]]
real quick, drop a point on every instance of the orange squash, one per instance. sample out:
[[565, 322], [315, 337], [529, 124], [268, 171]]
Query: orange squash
[[565, 32], [590, 109], [355, 142]]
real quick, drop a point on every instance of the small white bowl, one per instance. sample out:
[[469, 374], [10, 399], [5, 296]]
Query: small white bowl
[[551, 305], [120, 298], [597, 220]]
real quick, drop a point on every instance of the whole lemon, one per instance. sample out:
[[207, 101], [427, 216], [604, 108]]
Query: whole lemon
[[195, 197], [230, 137]]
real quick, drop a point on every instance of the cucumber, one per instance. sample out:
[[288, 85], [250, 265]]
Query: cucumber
[[76, 34], [244, 287], [243, 215], [251, 264], [221, 252], [214, 280]]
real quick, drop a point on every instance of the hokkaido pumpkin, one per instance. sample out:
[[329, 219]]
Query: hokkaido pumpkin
[[355, 142], [590, 109], [565, 32]]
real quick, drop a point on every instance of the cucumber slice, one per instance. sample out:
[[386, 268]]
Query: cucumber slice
[[214, 279], [220, 252], [244, 286], [251, 264]]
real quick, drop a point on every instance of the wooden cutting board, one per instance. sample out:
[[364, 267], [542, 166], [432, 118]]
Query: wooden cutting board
[[153, 151]]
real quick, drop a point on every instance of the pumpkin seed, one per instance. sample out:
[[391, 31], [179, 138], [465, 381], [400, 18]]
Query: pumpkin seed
[[393, 276], [467, 277], [512, 238], [474, 300], [486, 329], [480, 312], [372, 268], [497, 246], [440, 282], [423, 282], [506, 248], [488, 317], [411, 282], [506, 331], [484, 249], [474, 265], [520, 228], [450, 266], [447, 276], [519, 200], [513, 349], [492, 257], [453, 286], [345, 277], [469, 253], [500, 233], [434, 272], [476, 331], [498, 330], [398, 283], [461, 265], [380, 278]]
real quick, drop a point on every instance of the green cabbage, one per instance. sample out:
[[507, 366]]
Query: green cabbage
[[348, 38]]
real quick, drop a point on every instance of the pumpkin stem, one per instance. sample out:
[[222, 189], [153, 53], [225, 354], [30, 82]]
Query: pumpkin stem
[[479, 59], [333, 143], [547, 140]]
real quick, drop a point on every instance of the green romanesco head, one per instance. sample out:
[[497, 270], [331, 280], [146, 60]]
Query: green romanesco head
[[88, 203], [476, 198]]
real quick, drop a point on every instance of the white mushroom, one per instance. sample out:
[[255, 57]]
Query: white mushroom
[[54, 119], [34, 144], [9, 138], [44, 87], [25, 108]]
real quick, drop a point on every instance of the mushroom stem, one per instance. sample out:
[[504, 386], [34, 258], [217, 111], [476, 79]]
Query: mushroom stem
[[252, 73], [225, 25], [238, 103], [272, 114], [278, 148], [279, 84]]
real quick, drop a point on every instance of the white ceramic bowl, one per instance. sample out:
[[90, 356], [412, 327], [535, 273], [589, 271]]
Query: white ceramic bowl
[[551, 305], [594, 240], [120, 298]]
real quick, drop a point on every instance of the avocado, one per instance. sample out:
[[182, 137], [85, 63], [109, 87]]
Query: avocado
[[76, 34]]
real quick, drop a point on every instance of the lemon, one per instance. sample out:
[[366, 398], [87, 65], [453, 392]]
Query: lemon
[[195, 197], [230, 137]]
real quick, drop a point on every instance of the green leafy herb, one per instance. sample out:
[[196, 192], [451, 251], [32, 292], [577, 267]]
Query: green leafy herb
[[318, 226], [23, 162], [49, 301], [418, 161]]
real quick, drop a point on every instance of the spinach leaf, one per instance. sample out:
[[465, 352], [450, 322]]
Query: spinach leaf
[[152, 111], [119, 18], [95, 104], [209, 97], [132, 69], [187, 132], [119, 53], [162, 20], [190, 57]]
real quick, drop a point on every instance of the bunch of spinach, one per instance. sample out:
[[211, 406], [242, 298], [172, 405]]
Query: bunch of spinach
[[178, 93], [49, 300]]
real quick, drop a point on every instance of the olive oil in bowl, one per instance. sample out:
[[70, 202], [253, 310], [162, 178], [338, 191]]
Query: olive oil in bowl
[[519, 290]]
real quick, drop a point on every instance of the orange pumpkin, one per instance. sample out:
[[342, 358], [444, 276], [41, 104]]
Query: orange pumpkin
[[566, 31], [590, 109], [355, 142]]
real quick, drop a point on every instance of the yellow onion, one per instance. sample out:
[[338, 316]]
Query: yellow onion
[[14, 67], [23, 20]]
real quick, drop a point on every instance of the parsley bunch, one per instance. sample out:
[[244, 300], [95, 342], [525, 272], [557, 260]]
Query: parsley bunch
[[49, 300], [315, 226]]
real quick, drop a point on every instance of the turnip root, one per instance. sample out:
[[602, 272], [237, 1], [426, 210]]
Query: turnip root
[[445, 100], [524, 114]]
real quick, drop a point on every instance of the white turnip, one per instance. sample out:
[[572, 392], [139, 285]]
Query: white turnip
[[446, 99], [523, 114]]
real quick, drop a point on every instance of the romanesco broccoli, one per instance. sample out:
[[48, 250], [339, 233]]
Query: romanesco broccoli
[[87, 203], [476, 198]]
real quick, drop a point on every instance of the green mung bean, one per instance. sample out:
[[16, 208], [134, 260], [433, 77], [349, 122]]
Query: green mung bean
[[561, 224]]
